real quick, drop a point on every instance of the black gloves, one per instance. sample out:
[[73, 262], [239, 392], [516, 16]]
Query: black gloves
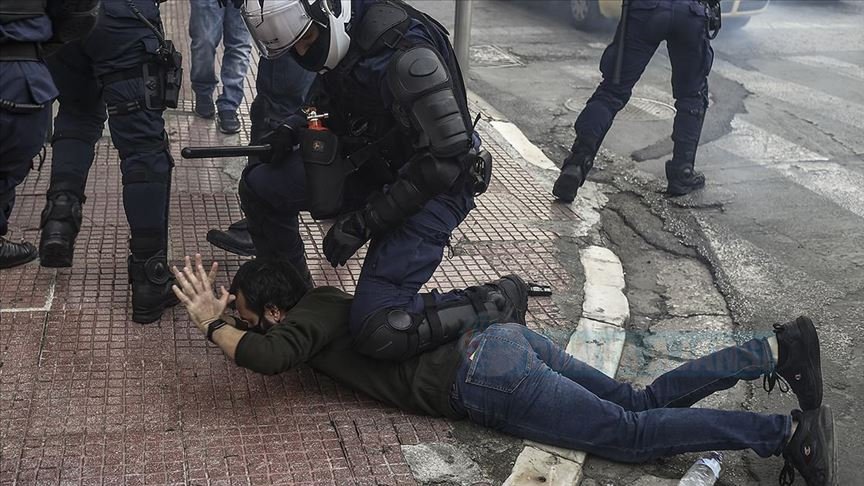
[[282, 139], [347, 235]]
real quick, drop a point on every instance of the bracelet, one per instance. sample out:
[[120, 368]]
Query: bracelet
[[213, 326]]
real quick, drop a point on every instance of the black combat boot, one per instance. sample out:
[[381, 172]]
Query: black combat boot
[[811, 449], [13, 254], [799, 363], [575, 168], [151, 281], [235, 240], [61, 221], [682, 179]]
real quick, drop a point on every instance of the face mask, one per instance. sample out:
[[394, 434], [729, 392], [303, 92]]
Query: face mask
[[316, 55]]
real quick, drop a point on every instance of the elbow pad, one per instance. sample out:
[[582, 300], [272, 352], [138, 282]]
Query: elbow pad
[[425, 177], [422, 87]]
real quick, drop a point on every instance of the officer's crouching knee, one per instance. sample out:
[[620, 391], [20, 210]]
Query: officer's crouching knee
[[387, 334]]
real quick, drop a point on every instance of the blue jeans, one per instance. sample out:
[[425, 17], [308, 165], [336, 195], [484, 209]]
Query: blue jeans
[[208, 24], [519, 382]]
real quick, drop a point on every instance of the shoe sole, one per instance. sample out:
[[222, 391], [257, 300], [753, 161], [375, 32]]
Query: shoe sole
[[18, 263], [560, 190], [814, 356], [247, 252], [829, 415], [55, 254], [683, 192], [154, 314]]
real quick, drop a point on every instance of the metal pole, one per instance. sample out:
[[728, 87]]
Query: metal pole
[[462, 34]]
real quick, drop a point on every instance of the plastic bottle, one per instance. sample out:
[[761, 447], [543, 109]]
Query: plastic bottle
[[703, 472]]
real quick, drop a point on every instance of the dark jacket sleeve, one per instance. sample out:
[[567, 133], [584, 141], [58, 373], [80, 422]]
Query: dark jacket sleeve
[[319, 318]]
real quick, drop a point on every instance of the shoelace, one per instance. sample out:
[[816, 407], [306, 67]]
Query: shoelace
[[771, 379], [787, 474]]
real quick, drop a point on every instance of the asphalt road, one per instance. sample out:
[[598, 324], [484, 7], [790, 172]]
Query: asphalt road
[[781, 223]]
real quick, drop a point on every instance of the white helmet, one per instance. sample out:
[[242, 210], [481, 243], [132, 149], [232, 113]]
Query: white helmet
[[276, 25]]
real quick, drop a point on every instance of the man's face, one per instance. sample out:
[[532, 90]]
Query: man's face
[[253, 321], [302, 46]]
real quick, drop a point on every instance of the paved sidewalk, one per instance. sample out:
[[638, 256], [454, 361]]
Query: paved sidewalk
[[89, 397]]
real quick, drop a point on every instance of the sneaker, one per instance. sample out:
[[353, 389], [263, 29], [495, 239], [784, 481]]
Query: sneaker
[[811, 450], [799, 364], [204, 106], [682, 180], [228, 122], [13, 254]]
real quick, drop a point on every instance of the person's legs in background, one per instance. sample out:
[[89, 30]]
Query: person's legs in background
[[205, 32], [235, 63]]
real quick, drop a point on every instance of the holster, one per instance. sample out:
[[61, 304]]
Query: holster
[[480, 170], [163, 78], [326, 171]]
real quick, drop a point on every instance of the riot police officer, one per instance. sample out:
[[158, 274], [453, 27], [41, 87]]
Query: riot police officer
[[684, 25], [397, 164], [127, 69], [28, 30]]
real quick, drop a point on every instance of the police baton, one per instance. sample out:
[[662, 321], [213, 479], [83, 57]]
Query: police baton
[[622, 33], [224, 151]]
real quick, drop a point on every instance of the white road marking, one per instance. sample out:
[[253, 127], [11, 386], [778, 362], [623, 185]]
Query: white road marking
[[833, 65], [49, 300]]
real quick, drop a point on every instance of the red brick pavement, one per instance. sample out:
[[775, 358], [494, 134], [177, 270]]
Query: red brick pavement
[[89, 397]]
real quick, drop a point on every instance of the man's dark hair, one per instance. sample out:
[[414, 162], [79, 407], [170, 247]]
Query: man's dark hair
[[269, 282]]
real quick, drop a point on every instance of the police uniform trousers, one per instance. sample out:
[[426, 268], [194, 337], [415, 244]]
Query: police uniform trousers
[[397, 264], [120, 43], [683, 25]]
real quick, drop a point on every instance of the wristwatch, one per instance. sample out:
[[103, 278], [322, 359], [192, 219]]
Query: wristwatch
[[211, 328]]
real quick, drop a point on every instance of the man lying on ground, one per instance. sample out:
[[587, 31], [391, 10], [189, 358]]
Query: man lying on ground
[[509, 378]]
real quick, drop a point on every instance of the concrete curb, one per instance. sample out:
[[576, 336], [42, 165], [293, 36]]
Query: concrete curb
[[599, 337]]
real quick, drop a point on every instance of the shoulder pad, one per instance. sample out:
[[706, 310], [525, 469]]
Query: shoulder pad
[[379, 23], [416, 72]]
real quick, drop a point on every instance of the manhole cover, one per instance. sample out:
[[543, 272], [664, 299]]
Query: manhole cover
[[638, 109], [492, 56]]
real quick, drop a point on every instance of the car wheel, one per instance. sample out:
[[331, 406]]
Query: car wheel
[[586, 15], [734, 23]]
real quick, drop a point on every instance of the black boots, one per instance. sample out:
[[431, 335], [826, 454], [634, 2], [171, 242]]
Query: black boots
[[575, 168], [151, 281], [235, 240], [799, 363], [13, 254], [682, 179], [811, 450], [61, 221]]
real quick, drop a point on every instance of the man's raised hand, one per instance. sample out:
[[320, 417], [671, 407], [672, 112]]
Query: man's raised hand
[[194, 288]]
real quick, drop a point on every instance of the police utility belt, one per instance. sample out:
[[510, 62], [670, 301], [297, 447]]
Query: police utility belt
[[162, 77]]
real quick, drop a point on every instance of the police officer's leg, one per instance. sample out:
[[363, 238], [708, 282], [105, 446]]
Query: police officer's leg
[[390, 320], [205, 32], [691, 56], [282, 88], [21, 138], [272, 196], [645, 31], [77, 128], [140, 138]]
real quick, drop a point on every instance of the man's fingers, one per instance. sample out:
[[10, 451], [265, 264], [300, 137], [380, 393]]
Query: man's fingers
[[211, 277], [180, 295], [181, 279], [202, 275], [224, 297], [189, 272]]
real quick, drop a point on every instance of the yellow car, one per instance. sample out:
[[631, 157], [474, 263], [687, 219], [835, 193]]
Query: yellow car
[[599, 14]]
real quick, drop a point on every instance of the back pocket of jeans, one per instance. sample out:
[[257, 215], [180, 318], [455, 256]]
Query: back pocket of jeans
[[499, 364]]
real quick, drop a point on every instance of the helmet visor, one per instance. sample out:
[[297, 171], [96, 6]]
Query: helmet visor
[[277, 26]]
